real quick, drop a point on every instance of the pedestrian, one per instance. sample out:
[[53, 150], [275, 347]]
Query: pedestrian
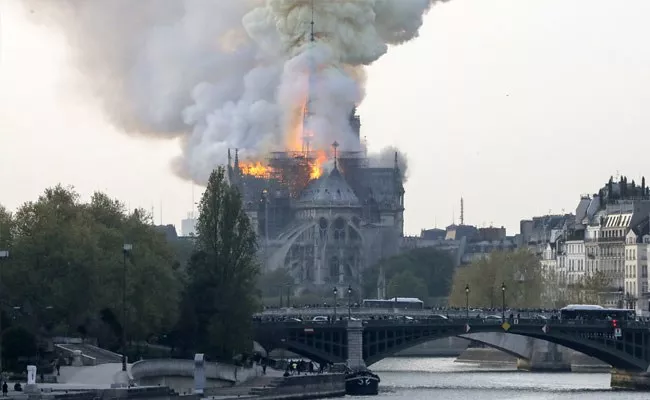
[[5, 389]]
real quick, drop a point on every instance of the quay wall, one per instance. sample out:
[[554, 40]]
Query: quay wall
[[179, 374], [302, 387]]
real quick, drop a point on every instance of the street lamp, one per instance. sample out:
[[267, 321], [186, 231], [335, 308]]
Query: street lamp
[[467, 301], [349, 302], [503, 301], [125, 249], [620, 296], [336, 292], [4, 254], [265, 196]]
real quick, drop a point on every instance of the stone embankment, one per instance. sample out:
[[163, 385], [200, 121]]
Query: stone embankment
[[297, 387], [493, 357]]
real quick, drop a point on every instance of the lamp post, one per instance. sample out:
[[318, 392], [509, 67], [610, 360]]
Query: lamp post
[[503, 301], [336, 292], [4, 254], [349, 302], [265, 196], [620, 296], [467, 301], [125, 249]]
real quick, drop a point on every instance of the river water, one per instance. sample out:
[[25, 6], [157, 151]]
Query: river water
[[444, 379]]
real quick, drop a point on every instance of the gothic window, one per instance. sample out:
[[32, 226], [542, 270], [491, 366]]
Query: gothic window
[[339, 229], [322, 225]]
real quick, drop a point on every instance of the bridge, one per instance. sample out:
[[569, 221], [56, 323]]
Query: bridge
[[364, 342]]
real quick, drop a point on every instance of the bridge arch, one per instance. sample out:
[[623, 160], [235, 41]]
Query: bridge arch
[[377, 347], [384, 338]]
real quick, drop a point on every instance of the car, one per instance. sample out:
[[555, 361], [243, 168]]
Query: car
[[492, 317], [320, 318], [438, 316]]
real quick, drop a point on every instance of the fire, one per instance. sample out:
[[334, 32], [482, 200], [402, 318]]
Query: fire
[[255, 169], [317, 166]]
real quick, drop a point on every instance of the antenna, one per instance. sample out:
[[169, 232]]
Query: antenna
[[462, 212]]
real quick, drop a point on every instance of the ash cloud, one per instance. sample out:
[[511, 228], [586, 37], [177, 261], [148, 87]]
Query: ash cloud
[[228, 73]]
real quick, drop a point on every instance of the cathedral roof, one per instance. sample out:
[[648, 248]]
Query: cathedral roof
[[329, 190]]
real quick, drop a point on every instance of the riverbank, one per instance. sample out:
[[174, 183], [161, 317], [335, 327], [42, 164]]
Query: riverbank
[[494, 357], [296, 387]]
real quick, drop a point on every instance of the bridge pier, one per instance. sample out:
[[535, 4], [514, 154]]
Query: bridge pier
[[628, 380], [354, 331], [545, 356]]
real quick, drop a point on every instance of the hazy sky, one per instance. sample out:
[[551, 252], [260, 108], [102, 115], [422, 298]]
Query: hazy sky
[[519, 106]]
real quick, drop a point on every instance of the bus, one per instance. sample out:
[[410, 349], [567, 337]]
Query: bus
[[403, 303], [594, 312]]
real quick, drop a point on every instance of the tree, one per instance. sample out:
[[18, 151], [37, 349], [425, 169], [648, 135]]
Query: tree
[[595, 284], [405, 284], [66, 266], [222, 273], [272, 283], [520, 272], [433, 267]]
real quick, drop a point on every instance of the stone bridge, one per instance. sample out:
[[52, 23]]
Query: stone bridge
[[366, 342]]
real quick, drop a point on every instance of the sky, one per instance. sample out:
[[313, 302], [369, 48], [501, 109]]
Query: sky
[[518, 106]]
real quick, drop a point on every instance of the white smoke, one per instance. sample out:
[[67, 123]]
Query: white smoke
[[229, 73]]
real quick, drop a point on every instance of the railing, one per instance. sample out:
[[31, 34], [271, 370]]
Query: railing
[[367, 311], [535, 322]]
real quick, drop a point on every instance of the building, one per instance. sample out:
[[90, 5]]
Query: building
[[188, 226], [325, 226], [636, 268]]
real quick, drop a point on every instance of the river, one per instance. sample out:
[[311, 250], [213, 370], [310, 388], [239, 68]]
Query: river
[[444, 379]]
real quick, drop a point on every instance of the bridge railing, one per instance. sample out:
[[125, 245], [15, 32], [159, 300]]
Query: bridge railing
[[598, 324], [368, 311]]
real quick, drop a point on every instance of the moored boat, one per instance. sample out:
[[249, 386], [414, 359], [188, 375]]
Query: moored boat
[[361, 382]]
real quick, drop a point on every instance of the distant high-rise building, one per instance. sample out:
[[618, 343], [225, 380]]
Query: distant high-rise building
[[188, 226]]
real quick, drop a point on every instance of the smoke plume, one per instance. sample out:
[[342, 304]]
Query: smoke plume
[[230, 73]]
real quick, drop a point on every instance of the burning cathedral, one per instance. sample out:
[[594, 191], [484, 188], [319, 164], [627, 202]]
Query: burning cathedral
[[325, 216], [322, 211]]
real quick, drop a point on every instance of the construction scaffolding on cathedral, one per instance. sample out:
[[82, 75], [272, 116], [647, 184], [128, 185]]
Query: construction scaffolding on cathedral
[[324, 216]]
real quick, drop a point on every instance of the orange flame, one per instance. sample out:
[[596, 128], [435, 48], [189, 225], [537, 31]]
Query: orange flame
[[255, 169], [317, 166]]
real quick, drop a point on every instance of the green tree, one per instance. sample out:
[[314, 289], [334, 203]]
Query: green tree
[[405, 284], [66, 266], [433, 267], [222, 273], [274, 283], [520, 271]]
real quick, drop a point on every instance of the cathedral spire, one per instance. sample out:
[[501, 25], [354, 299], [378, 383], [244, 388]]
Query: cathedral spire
[[306, 112], [335, 146]]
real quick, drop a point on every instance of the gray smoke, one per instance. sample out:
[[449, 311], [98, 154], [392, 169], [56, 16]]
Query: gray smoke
[[228, 73], [386, 159]]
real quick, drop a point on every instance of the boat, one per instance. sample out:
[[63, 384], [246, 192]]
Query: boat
[[361, 382]]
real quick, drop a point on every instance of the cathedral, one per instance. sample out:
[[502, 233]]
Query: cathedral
[[325, 230]]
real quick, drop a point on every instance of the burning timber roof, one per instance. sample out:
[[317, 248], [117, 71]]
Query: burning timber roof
[[329, 190]]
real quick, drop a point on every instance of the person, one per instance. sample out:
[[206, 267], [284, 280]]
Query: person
[[5, 388], [57, 365]]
